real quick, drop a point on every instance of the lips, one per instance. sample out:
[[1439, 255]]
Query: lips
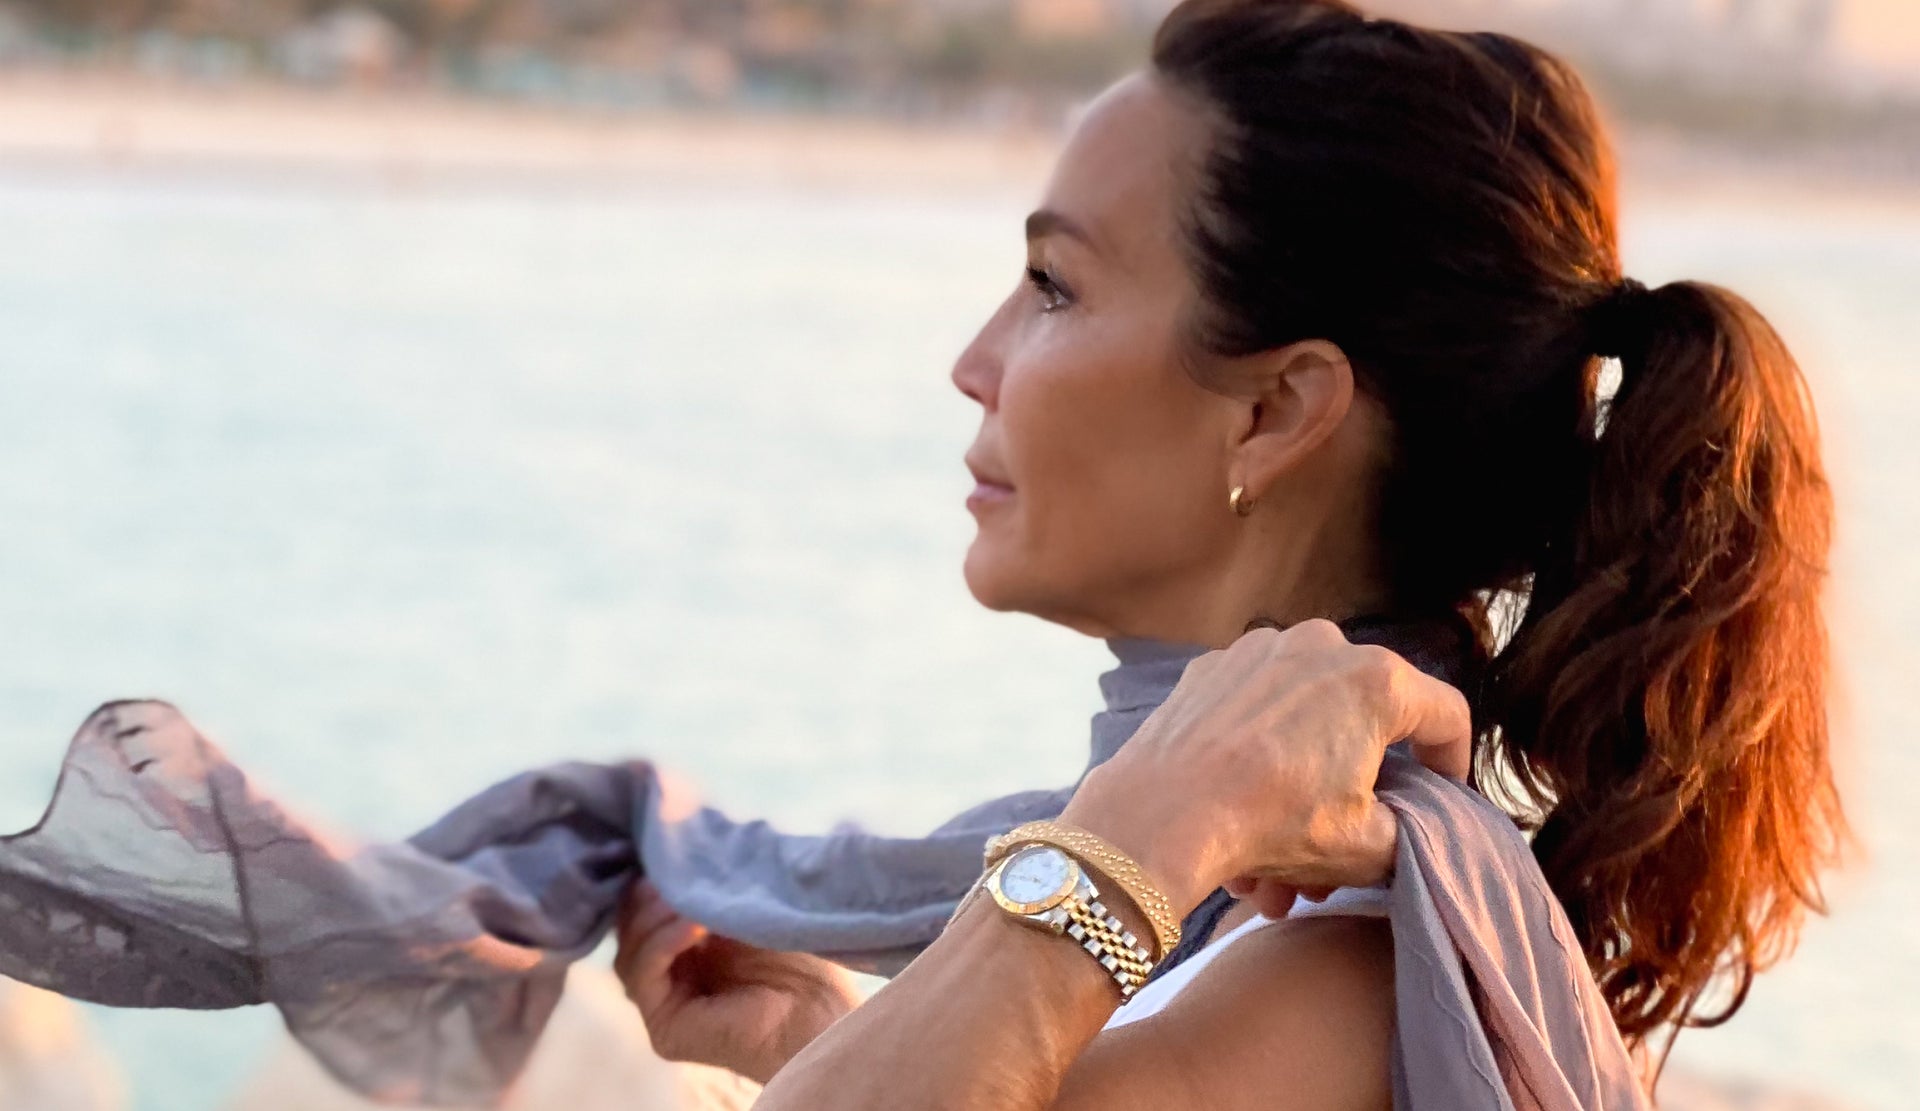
[[990, 489], [986, 477]]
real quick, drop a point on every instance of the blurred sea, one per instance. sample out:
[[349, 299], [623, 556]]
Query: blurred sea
[[398, 492]]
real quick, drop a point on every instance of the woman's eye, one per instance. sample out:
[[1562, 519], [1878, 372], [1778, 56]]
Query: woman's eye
[[1053, 298]]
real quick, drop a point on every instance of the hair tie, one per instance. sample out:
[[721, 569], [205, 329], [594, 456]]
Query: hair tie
[[1621, 323]]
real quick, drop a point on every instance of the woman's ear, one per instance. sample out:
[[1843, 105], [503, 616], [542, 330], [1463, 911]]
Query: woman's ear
[[1295, 398]]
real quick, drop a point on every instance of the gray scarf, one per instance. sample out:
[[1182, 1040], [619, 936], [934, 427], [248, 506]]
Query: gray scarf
[[424, 971]]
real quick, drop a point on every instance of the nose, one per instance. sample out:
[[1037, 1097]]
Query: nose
[[978, 370]]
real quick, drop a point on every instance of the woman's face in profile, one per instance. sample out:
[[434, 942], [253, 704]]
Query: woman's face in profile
[[1104, 465]]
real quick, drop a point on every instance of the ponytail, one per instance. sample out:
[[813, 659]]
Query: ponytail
[[1658, 715], [1661, 704]]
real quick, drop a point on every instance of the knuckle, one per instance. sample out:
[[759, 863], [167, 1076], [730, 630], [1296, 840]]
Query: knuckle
[[1251, 643], [1317, 631], [1378, 665], [1380, 674], [1462, 709], [1258, 624], [1312, 638]]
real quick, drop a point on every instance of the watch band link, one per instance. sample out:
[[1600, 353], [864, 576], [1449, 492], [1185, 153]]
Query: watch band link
[[1103, 935]]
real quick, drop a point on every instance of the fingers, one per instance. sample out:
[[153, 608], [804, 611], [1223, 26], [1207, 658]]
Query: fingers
[[643, 913], [1271, 897], [1381, 841], [652, 936], [1308, 680], [1429, 713], [1434, 717]]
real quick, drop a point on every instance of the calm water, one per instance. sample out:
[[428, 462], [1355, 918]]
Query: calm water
[[398, 494]]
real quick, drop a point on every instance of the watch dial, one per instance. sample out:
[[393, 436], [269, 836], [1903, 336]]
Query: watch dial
[[1034, 874]]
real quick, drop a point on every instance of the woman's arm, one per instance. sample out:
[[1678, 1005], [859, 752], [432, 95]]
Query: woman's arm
[[1293, 1016], [1262, 762], [989, 1017]]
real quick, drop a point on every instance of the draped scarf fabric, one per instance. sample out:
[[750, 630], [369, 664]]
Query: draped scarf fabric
[[424, 971]]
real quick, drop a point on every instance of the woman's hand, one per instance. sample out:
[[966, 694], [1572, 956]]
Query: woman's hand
[[718, 1001], [1258, 770]]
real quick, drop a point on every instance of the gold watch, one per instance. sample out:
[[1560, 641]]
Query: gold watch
[[1045, 887], [1116, 866]]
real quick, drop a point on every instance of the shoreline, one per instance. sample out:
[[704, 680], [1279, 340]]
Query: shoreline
[[92, 121], [102, 122]]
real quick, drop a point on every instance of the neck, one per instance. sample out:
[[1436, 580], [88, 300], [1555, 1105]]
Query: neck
[[1314, 580], [1148, 669]]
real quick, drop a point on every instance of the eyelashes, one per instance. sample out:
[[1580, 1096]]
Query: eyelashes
[[1054, 296]]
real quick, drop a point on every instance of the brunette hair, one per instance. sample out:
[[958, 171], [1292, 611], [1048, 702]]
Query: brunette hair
[[1441, 206]]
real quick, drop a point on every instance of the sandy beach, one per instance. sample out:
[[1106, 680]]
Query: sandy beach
[[52, 120]]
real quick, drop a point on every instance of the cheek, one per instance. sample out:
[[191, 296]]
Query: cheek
[[1105, 441]]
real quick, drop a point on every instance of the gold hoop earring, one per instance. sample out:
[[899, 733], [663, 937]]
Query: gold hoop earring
[[1242, 505]]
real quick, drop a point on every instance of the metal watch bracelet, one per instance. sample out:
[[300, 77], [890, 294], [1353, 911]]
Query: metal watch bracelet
[[1054, 891]]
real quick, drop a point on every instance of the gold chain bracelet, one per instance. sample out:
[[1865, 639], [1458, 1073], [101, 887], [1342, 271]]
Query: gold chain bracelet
[[1113, 863]]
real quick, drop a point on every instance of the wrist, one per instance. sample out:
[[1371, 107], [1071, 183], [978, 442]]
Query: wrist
[[1054, 961], [1178, 856]]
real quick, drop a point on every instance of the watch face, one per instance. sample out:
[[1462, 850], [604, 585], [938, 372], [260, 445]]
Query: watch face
[[1037, 877]]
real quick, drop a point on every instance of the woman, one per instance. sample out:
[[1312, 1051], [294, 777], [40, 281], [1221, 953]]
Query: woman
[[1312, 327]]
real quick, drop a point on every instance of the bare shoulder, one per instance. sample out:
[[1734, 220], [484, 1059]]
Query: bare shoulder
[[1296, 1014]]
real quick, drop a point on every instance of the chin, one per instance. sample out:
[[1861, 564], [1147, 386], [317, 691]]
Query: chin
[[989, 581], [1004, 582]]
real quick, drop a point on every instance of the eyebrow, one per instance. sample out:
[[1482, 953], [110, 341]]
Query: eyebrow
[[1048, 222]]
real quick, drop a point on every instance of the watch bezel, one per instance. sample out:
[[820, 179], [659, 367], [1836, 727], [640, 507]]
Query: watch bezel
[[1068, 883]]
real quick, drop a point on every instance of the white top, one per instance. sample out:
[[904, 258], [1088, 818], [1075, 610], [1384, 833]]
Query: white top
[[1153, 998]]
